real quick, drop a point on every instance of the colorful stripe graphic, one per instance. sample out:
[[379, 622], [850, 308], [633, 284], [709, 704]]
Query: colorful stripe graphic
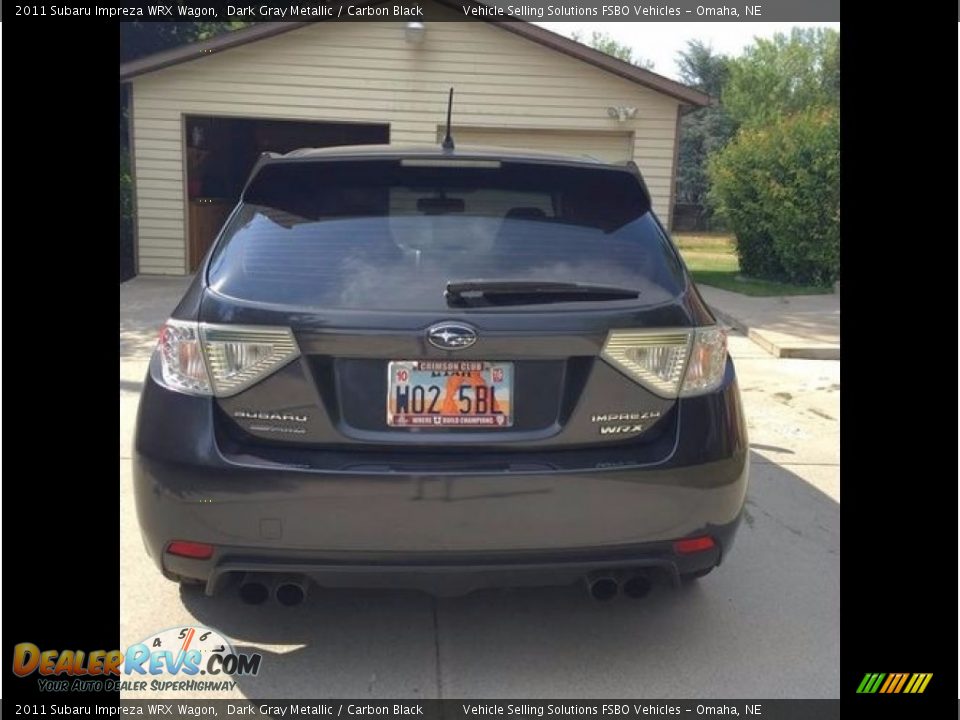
[[892, 683]]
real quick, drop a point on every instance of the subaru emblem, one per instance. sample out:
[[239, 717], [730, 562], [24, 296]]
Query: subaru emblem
[[451, 336]]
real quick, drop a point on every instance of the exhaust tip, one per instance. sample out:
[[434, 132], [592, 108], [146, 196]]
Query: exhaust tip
[[637, 586], [604, 588], [254, 593], [290, 594]]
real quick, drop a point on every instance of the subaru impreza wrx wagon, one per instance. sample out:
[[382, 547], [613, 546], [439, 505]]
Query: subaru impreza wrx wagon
[[443, 369]]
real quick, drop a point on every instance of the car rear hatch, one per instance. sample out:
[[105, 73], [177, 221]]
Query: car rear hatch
[[436, 304]]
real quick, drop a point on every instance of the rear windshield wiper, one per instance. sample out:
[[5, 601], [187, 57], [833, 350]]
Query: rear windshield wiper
[[530, 292]]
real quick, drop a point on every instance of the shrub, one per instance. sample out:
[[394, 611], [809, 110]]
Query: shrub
[[778, 186], [737, 180]]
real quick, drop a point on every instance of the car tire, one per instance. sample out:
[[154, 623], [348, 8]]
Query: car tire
[[694, 576]]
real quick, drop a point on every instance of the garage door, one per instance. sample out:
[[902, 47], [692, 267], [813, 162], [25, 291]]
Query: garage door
[[607, 146]]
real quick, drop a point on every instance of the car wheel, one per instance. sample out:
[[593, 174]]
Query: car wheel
[[691, 577]]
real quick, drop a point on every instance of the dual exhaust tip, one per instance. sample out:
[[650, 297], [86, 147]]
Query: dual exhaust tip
[[286, 590], [634, 584]]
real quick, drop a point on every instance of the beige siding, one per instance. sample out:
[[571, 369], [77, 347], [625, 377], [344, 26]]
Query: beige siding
[[366, 72]]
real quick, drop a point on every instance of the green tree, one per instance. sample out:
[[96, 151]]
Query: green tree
[[702, 68], [786, 74], [606, 44], [779, 187], [705, 130]]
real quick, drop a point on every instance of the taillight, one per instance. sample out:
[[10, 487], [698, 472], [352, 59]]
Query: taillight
[[181, 358], [670, 363], [653, 359], [221, 360], [237, 357], [708, 360]]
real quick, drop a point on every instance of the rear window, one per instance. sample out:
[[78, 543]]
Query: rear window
[[387, 235]]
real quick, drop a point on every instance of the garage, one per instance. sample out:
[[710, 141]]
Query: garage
[[200, 114]]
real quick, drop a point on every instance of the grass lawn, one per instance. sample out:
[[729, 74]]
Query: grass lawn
[[713, 261]]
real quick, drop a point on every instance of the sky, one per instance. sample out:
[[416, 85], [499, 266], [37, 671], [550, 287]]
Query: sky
[[660, 41]]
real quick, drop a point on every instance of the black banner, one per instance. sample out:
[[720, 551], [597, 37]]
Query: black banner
[[445, 11], [445, 709]]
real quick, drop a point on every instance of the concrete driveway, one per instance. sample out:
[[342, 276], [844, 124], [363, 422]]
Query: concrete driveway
[[765, 625]]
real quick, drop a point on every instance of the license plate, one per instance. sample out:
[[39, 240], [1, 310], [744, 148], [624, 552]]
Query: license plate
[[450, 393]]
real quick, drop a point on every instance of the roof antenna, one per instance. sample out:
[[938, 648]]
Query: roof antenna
[[447, 143]]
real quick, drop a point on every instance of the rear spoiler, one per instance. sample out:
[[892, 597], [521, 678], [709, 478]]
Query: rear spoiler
[[270, 158], [263, 159], [632, 166]]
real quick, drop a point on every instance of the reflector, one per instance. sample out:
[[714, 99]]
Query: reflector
[[195, 550], [693, 545]]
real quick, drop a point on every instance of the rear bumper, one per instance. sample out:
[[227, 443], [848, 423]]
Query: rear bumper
[[395, 525], [450, 575], [443, 534]]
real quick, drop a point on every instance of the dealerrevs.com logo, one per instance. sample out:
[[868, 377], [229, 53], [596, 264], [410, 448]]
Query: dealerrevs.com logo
[[185, 659]]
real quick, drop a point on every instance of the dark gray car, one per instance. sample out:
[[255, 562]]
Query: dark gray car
[[441, 369]]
